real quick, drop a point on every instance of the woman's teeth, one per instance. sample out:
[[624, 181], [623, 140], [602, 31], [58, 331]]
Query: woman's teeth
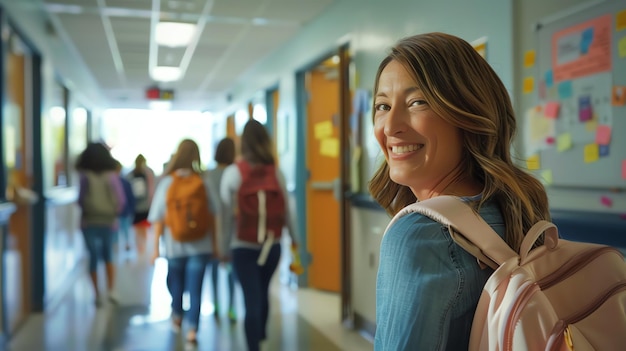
[[405, 148]]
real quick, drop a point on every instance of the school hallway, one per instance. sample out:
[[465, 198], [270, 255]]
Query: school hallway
[[300, 319]]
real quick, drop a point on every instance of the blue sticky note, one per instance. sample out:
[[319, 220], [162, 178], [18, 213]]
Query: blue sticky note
[[604, 150], [549, 78], [565, 89], [586, 39], [584, 108]]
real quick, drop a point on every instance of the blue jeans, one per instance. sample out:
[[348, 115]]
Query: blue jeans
[[125, 223], [99, 242], [215, 266], [255, 283], [187, 274]]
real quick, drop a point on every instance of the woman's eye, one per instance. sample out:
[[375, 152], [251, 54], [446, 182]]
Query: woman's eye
[[381, 107], [418, 102]]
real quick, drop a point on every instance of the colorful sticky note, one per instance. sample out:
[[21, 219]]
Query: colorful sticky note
[[549, 76], [604, 150], [533, 163], [564, 142], [606, 201], [551, 110], [323, 129], [591, 125], [587, 38], [529, 85], [620, 20], [565, 89], [603, 135], [591, 153], [529, 58], [585, 112], [618, 98], [546, 175], [621, 48], [329, 147], [623, 169]]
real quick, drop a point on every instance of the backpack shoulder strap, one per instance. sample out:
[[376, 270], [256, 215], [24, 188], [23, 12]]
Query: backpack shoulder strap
[[466, 227]]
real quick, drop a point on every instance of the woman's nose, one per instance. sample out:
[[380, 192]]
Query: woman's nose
[[395, 122]]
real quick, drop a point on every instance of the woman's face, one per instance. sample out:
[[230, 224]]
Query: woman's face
[[421, 148]]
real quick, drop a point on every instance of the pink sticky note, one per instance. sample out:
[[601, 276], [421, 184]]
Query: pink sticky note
[[603, 135], [606, 201], [551, 110]]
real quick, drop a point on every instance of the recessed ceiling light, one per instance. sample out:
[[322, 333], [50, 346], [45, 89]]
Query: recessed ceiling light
[[174, 34], [165, 73]]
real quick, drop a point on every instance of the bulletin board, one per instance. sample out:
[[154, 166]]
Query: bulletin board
[[575, 136]]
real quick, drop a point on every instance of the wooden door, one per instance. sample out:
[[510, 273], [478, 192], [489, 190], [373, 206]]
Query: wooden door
[[323, 164]]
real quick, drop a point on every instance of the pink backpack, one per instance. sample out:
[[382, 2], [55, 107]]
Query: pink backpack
[[562, 295]]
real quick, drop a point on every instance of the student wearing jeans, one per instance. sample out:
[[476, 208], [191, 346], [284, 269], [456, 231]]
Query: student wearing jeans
[[99, 229], [254, 278], [224, 156], [186, 260]]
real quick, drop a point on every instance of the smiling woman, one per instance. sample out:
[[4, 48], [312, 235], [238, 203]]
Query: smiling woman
[[444, 122]]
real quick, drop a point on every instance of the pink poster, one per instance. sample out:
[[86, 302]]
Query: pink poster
[[582, 50]]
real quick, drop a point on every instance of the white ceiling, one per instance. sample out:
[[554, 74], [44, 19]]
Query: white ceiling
[[113, 39]]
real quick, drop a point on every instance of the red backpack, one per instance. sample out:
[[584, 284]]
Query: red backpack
[[261, 203]]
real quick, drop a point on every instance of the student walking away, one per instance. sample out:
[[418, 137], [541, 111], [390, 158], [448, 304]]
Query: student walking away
[[101, 199], [224, 156], [125, 218], [444, 122], [142, 180], [254, 189], [183, 215]]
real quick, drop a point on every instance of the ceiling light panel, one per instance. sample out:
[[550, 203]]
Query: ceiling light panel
[[174, 34]]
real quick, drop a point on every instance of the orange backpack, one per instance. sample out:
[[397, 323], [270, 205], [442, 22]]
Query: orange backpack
[[187, 209]]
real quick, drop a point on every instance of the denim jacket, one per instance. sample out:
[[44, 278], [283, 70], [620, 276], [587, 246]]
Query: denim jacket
[[427, 286]]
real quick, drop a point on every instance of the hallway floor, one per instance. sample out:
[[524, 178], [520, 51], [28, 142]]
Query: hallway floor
[[300, 320]]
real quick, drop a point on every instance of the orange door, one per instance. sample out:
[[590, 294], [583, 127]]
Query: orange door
[[323, 163]]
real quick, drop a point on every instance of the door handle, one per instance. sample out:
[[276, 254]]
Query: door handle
[[333, 185], [323, 185]]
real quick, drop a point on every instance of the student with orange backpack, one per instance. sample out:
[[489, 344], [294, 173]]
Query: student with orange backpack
[[254, 196], [183, 215]]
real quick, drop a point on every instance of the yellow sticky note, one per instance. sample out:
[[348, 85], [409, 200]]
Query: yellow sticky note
[[323, 129], [529, 58], [564, 142], [329, 147], [620, 20], [592, 153], [529, 85], [621, 47], [532, 163], [591, 125], [546, 175]]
